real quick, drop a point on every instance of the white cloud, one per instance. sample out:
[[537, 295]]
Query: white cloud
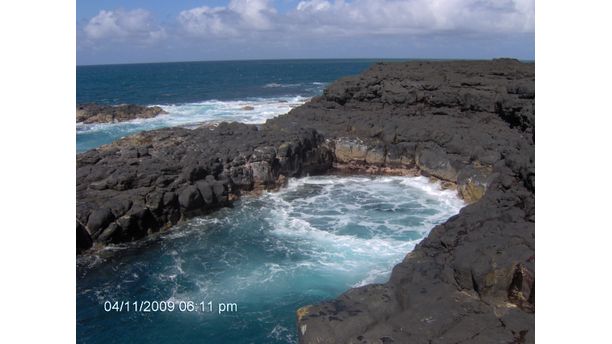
[[416, 16], [314, 5], [207, 21], [316, 28], [238, 18], [136, 25], [254, 13], [359, 17]]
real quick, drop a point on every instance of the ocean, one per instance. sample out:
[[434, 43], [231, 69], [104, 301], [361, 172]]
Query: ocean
[[265, 257], [260, 261], [197, 92]]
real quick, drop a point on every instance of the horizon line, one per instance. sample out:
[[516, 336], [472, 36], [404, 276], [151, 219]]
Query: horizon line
[[382, 59]]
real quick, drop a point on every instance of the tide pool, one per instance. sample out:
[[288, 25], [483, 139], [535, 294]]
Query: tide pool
[[268, 256]]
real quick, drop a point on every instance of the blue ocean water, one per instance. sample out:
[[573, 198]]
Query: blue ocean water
[[196, 92], [268, 256]]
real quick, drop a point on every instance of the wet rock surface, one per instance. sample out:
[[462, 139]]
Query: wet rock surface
[[94, 113], [469, 124]]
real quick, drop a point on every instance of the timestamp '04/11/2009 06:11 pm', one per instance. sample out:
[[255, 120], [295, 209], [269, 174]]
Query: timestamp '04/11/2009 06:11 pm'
[[170, 306]]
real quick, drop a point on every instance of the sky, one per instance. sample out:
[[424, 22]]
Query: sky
[[113, 31]]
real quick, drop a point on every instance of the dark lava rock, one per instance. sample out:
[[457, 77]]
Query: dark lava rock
[[472, 280], [469, 124], [94, 113], [83, 239], [190, 198], [179, 173], [99, 219]]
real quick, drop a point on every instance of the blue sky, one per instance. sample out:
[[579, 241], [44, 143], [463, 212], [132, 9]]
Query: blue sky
[[114, 31]]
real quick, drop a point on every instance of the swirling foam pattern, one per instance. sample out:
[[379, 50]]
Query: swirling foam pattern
[[270, 254]]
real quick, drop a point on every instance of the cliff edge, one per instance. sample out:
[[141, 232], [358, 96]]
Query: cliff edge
[[469, 124]]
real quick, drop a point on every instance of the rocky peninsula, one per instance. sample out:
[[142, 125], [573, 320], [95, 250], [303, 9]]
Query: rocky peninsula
[[95, 113], [469, 124]]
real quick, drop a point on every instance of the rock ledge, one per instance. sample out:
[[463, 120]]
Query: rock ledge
[[469, 124], [94, 113]]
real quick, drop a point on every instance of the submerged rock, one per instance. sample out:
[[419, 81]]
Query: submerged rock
[[467, 123], [94, 113]]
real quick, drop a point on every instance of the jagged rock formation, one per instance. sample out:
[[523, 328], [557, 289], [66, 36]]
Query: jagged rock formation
[[472, 280], [150, 181], [94, 113], [468, 124]]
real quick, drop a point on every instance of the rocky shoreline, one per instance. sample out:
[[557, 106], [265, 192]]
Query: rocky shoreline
[[95, 113], [469, 124]]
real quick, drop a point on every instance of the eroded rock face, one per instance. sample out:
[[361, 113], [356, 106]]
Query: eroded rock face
[[94, 113], [148, 182], [468, 124]]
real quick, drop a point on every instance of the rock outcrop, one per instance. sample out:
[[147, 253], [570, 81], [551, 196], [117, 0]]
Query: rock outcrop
[[469, 124], [94, 113], [149, 181]]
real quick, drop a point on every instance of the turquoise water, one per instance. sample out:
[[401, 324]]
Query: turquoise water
[[267, 255], [196, 92]]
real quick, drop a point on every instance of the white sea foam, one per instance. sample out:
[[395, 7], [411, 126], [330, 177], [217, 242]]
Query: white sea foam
[[315, 234], [340, 225], [277, 85], [251, 111], [282, 334], [277, 252], [316, 85]]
